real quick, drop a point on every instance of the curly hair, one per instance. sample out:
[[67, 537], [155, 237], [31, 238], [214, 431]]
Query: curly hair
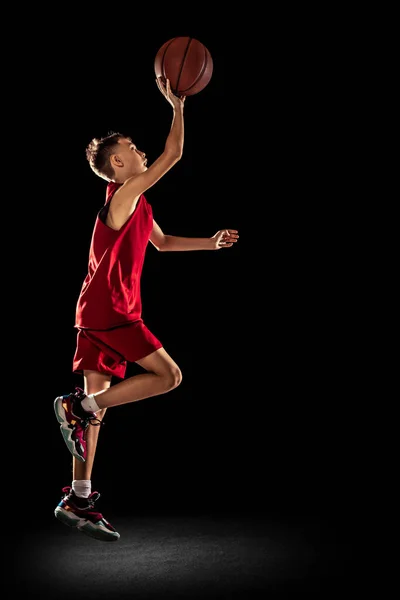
[[98, 154]]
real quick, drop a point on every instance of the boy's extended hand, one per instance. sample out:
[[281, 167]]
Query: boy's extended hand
[[225, 238], [165, 89]]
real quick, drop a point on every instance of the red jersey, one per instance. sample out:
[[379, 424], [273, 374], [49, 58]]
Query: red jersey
[[110, 294]]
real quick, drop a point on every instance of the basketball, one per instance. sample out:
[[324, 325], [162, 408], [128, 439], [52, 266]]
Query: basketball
[[187, 64]]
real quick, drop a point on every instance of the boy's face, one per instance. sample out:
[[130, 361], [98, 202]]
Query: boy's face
[[132, 160]]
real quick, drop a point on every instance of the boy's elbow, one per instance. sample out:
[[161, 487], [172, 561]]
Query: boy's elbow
[[163, 245], [177, 156], [174, 154]]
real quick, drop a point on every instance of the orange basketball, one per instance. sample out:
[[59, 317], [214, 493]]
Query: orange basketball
[[187, 63]]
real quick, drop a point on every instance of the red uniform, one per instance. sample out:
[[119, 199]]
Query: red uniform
[[108, 312]]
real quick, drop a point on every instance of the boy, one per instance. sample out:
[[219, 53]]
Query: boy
[[111, 331]]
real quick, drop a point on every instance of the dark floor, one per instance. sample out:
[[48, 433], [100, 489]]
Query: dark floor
[[185, 557]]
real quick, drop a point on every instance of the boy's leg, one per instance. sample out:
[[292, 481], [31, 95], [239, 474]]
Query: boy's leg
[[75, 411], [79, 511], [94, 383], [163, 375]]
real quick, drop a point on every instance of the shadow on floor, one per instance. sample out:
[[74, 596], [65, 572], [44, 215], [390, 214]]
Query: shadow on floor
[[183, 557]]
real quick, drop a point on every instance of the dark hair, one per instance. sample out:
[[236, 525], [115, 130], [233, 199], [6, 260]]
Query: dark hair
[[98, 153]]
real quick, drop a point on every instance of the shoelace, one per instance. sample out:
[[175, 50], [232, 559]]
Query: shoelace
[[89, 420], [67, 492], [92, 499]]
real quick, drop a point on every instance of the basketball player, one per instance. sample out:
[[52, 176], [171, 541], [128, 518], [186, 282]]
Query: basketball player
[[110, 330]]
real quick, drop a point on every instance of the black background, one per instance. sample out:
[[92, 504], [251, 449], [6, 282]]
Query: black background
[[265, 419]]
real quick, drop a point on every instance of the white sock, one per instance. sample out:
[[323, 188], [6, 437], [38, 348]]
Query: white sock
[[89, 404], [82, 487]]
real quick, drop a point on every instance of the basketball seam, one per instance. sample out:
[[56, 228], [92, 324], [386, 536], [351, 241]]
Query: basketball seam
[[182, 63], [200, 74], [163, 58]]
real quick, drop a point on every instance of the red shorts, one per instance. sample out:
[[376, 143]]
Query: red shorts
[[110, 351]]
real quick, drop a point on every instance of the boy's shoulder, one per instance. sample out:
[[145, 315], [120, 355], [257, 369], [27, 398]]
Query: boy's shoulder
[[111, 189]]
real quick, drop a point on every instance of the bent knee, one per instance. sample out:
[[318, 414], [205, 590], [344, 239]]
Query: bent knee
[[173, 378]]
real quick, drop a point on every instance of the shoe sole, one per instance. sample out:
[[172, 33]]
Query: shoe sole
[[85, 526], [65, 429]]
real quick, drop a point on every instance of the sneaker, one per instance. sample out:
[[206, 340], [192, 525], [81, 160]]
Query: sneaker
[[74, 422], [78, 512]]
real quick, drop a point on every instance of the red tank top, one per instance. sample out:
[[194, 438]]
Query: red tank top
[[110, 294]]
